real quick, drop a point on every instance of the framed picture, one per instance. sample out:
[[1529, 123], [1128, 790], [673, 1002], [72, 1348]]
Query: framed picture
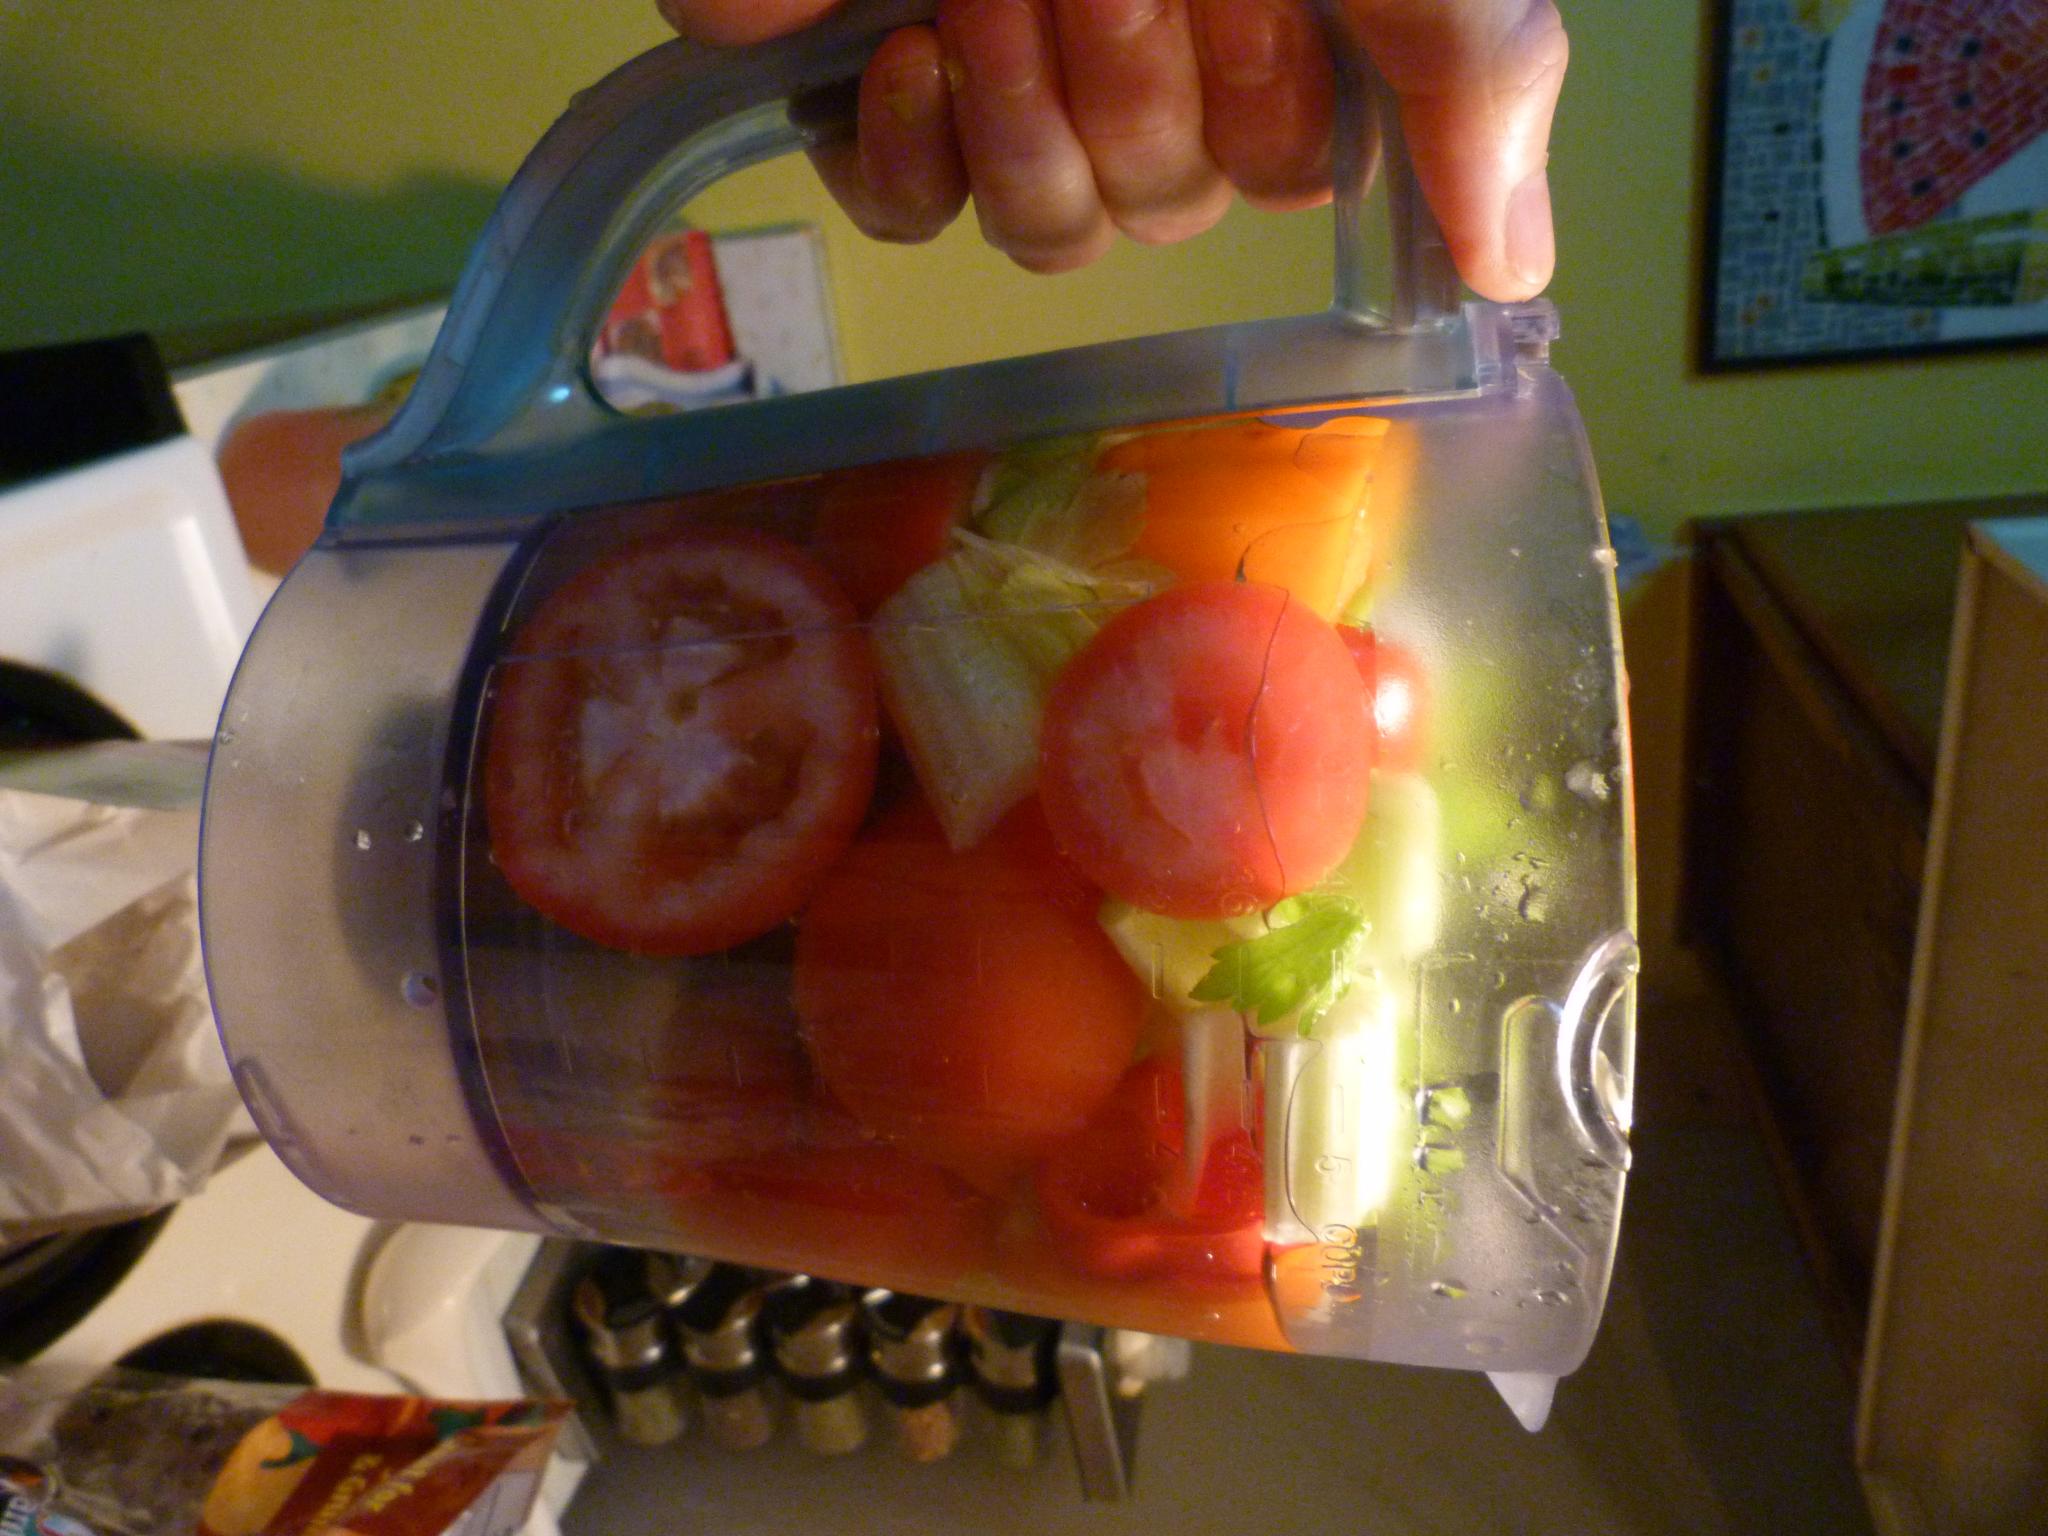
[[1879, 179]]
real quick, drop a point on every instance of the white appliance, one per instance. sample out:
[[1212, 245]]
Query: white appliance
[[128, 576]]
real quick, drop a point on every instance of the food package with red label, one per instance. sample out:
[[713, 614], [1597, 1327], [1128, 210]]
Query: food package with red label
[[133, 1454], [666, 342]]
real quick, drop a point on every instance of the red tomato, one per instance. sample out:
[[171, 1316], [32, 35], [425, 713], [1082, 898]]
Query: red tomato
[[1102, 1193], [1400, 698], [1208, 752], [682, 740], [834, 1205], [965, 1006], [728, 1077], [881, 524]]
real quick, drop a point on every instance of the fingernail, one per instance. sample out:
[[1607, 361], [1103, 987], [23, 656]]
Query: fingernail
[[1531, 236], [1007, 54], [1244, 38], [911, 94]]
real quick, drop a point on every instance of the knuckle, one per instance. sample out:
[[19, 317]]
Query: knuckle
[[1177, 217], [1532, 57], [1050, 263], [1050, 250], [891, 229]]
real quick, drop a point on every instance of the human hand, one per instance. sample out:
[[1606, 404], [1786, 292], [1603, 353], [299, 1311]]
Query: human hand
[[1070, 120]]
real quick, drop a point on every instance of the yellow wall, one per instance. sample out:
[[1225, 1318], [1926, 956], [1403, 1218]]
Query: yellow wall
[[177, 165]]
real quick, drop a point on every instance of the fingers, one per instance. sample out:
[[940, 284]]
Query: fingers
[[1034, 188], [1134, 93], [901, 179], [1478, 82], [727, 23], [1067, 120], [1266, 99]]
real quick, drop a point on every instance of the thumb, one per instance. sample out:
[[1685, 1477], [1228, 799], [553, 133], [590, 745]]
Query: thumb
[[1478, 82]]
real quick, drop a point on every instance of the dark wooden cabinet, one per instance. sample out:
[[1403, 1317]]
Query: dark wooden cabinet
[[1819, 650]]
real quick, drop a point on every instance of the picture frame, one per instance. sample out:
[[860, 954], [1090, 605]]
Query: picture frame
[[1877, 183]]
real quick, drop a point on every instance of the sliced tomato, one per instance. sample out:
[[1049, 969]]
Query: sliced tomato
[[682, 739], [1104, 1192], [881, 524], [1208, 752], [1395, 681], [964, 1006]]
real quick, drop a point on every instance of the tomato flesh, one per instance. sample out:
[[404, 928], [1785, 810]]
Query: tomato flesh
[[1395, 684], [963, 1006], [881, 524], [1208, 752], [682, 739], [1103, 1193]]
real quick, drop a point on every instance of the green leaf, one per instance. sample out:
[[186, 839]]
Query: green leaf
[[1050, 499], [968, 649], [1299, 967]]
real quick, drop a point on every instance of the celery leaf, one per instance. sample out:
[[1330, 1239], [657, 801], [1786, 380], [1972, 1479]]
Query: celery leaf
[[1299, 967]]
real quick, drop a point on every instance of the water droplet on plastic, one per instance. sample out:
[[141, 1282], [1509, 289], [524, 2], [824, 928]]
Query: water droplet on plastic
[[1551, 1297], [226, 736], [1531, 908], [420, 989], [414, 831], [1439, 1160], [362, 840], [1605, 557], [1448, 1290], [1588, 783], [1240, 903], [1457, 1006], [1515, 551], [1449, 1106]]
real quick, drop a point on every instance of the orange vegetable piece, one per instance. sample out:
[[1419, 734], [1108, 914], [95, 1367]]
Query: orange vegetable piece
[[1257, 502]]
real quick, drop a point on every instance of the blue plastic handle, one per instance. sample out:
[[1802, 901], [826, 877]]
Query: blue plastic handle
[[508, 370]]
